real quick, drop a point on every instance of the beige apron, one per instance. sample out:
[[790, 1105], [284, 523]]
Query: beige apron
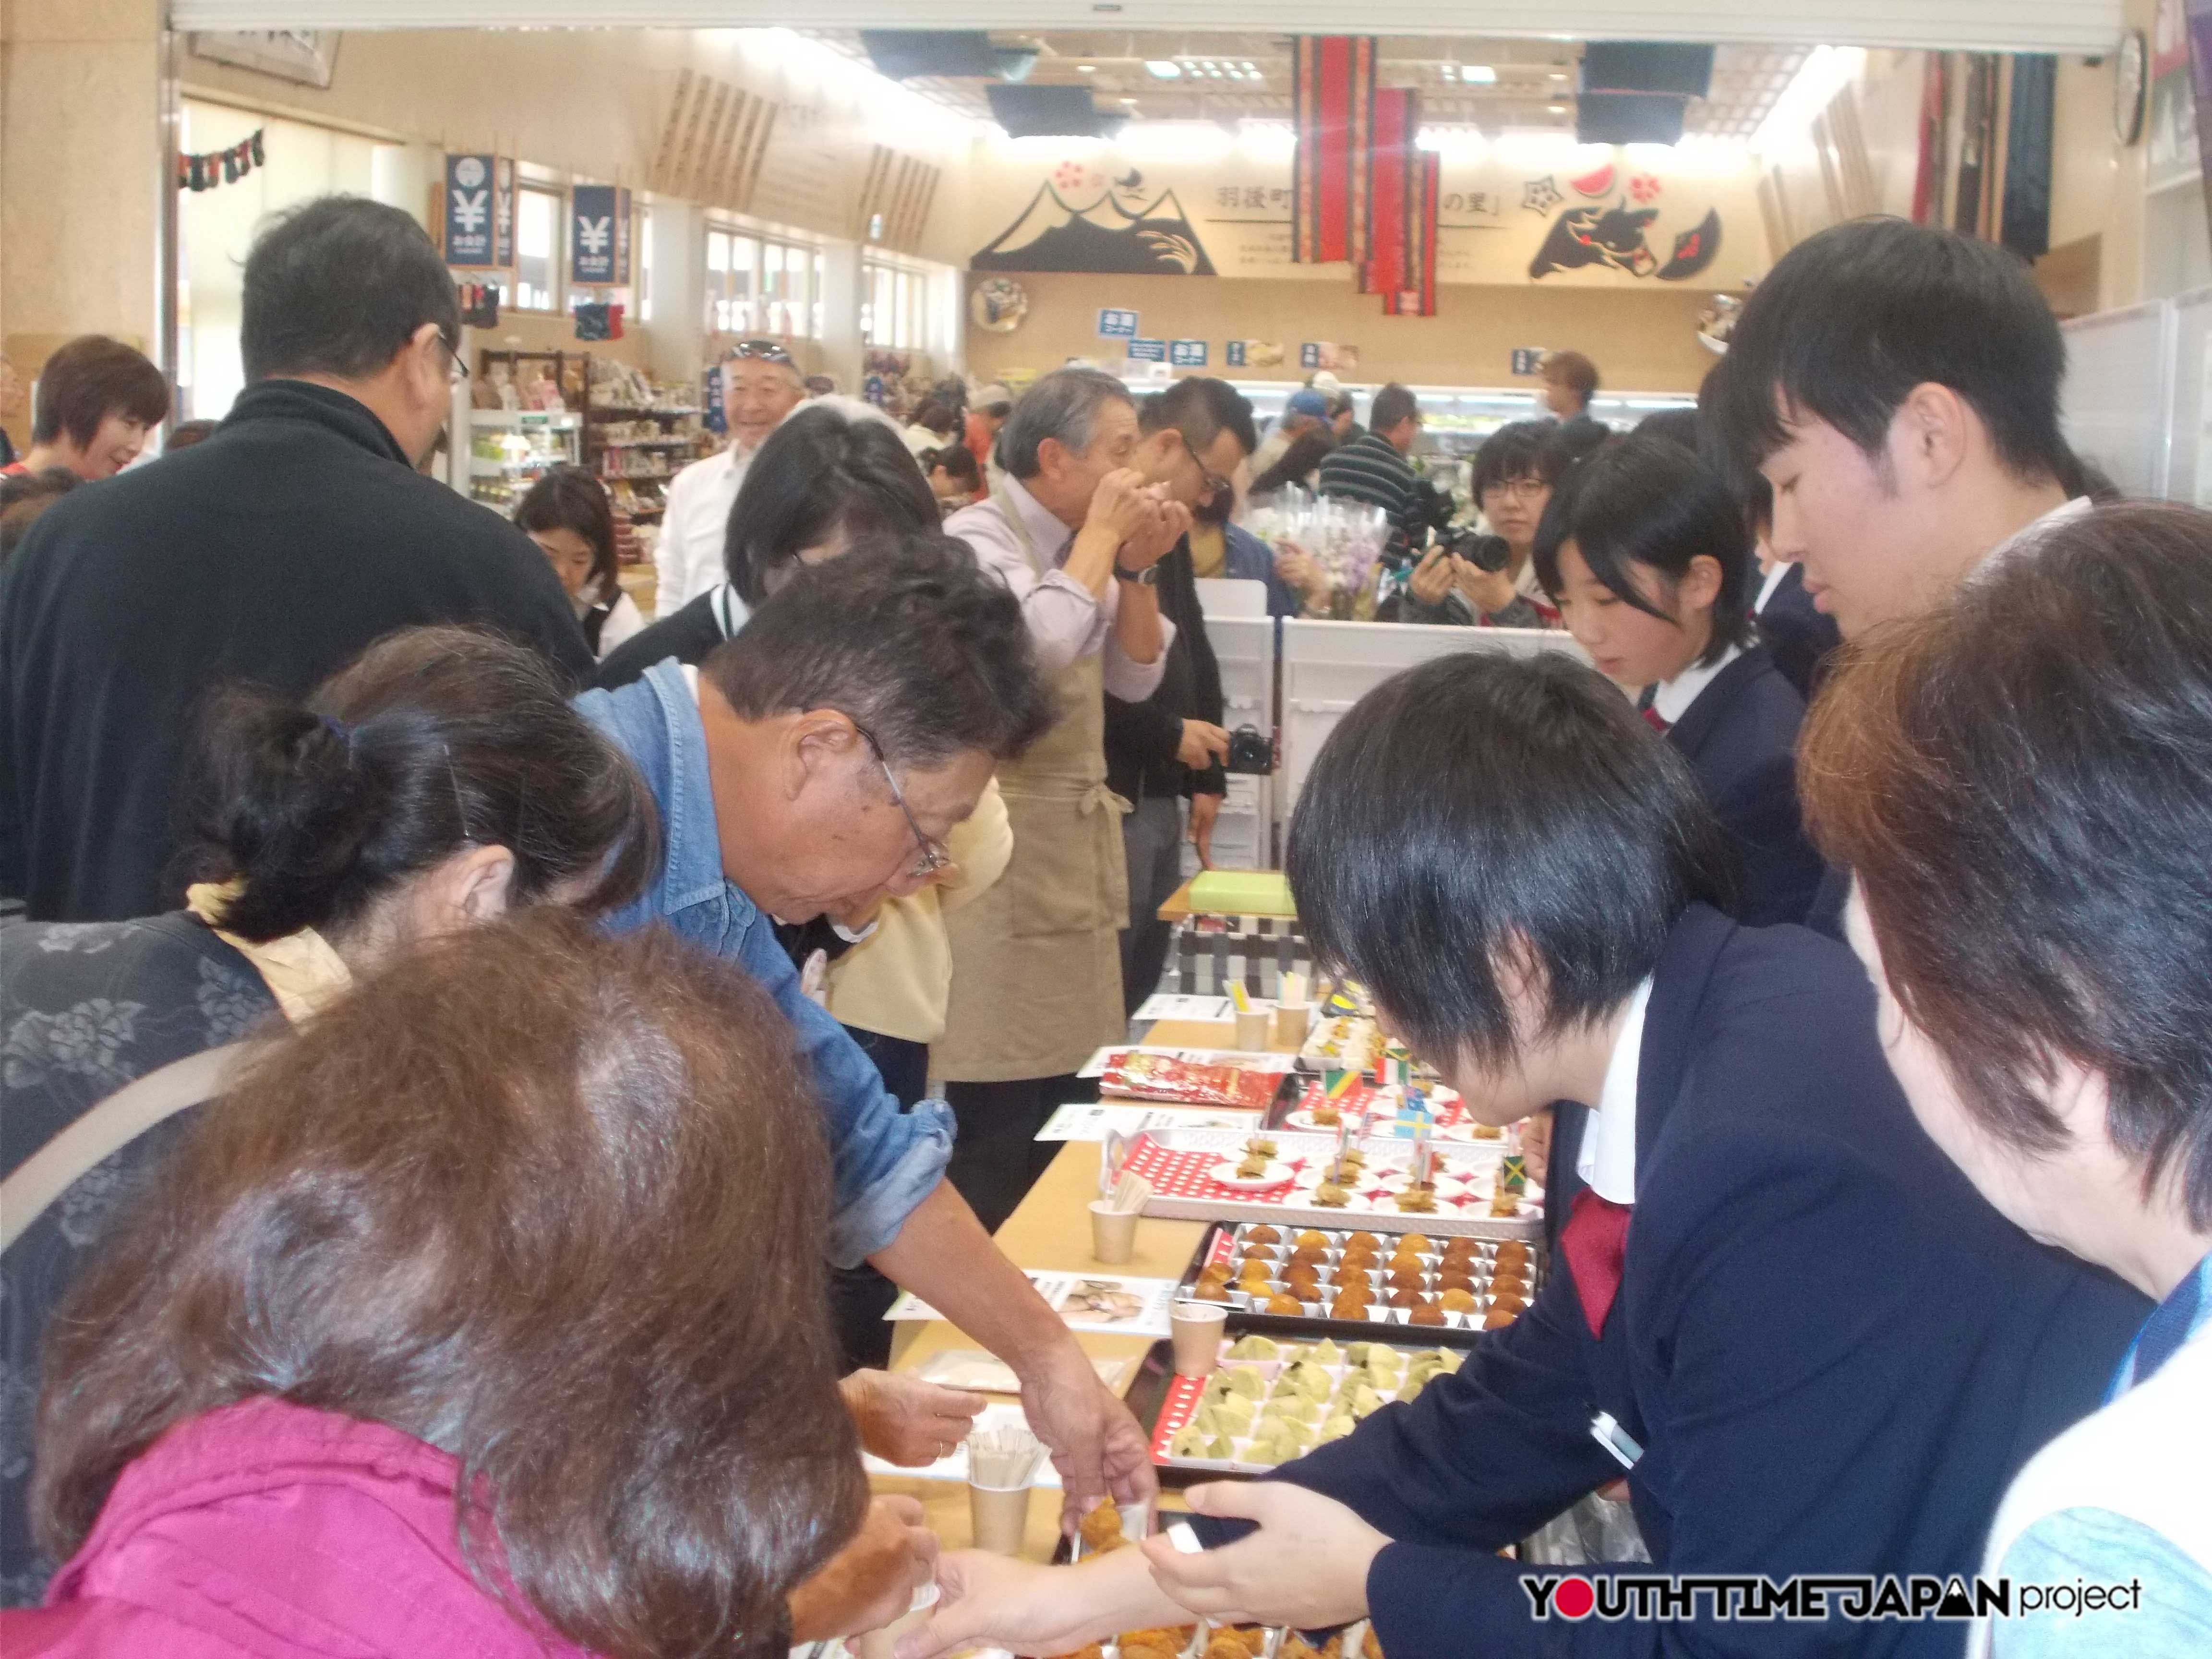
[[1036, 960]]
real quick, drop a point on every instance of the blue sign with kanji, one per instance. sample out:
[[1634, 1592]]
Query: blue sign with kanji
[[598, 236], [1148, 351], [1186, 354], [1233, 353], [1117, 324], [1527, 360], [1309, 354], [470, 211]]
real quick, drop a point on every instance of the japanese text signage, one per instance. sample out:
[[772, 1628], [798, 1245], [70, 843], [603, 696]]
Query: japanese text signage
[[1309, 354], [1148, 351], [598, 236], [1117, 325], [1186, 354], [1527, 360], [479, 213], [1233, 354]]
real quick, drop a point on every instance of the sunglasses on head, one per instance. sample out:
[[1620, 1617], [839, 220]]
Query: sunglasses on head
[[763, 351]]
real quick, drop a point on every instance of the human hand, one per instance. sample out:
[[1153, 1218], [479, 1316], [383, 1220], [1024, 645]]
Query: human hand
[[1305, 1567], [1202, 745], [1096, 1444], [1123, 504], [905, 1420], [1204, 808], [871, 1581], [995, 1600], [1536, 1146], [1432, 577], [1168, 523], [1487, 590]]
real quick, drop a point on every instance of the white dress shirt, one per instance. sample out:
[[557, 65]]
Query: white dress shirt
[[2029, 534], [1672, 698], [689, 555], [1606, 1159], [1066, 623], [1776, 575]]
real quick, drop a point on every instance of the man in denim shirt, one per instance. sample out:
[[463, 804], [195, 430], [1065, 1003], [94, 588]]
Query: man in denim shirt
[[812, 765]]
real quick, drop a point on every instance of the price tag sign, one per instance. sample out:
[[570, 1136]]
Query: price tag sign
[[1117, 324], [1148, 351], [1186, 354]]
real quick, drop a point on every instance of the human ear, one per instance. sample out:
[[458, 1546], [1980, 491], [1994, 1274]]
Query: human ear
[[1931, 435], [473, 885], [1701, 583]]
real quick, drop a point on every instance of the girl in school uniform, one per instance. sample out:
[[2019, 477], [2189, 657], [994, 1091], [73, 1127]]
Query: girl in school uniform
[[568, 515], [1649, 560]]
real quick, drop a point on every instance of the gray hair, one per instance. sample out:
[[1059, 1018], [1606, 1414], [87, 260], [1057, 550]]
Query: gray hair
[[1064, 404]]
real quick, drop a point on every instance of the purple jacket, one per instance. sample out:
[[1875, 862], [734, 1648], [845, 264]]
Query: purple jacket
[[268, 1530]]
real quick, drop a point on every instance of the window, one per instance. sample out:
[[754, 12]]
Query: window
[[537, 221], [893, 306], [757, 285]]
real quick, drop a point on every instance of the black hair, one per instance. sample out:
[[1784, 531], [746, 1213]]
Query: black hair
[[338, 287], [1391, 405], [1677, 426], [1516, 450], [1298, 463], [570, 498], [1850, 320], [933, 417], [1572, 370], [958, 460], [1342, 404], [433, 740], [820, 474], [24, 499], [186, 434], [1480, 804], [1202, 408], [1648, 501], [1063, 405], [906, 636], [91, 377]]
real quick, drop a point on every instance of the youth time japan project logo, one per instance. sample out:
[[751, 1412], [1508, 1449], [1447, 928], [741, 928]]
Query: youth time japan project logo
[[1859, 1597]]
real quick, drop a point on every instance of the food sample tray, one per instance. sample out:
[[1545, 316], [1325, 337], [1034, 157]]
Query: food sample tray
[[1269, 1402], [1309, 1110], [1180, 1165], [1413, 1289]]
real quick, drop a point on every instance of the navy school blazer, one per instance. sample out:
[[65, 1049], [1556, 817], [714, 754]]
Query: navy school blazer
[[1834, 1352], [1740, 736], [1802, 637]]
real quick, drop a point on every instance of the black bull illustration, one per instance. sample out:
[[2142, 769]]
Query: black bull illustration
[[1614, 236]]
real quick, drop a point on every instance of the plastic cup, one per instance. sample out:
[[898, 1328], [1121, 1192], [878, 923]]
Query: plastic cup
[[1196, 1329], [1254, 1028], [880, 1644], [1291, 1021], [997, 1517], [1113, 1232]]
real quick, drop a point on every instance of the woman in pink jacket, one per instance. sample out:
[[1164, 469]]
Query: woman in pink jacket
[[484, 1317]]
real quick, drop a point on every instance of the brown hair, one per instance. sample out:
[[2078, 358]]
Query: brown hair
[[2021, 782], [554, 1202], [1572, 370], [88, 379]]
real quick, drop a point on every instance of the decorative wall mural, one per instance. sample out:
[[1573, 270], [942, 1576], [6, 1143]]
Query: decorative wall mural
[[1117, 232], [1615, 238]]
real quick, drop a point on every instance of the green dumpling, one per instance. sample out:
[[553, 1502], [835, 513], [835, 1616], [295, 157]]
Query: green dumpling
[[1221, 1449], [1190, 1441], [1289, 1410], [1253, 1348], [1365, 1402], [1326, 1353], [1335, 1428], [1266, 1454]]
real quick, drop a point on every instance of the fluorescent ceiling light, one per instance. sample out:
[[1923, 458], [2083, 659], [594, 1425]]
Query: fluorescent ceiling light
[[1475, 75], [1163, 69], [1825, 71], [1086, 69]]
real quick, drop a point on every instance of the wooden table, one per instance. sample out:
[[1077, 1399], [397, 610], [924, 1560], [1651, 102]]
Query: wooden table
[[1051, 1229], [1177, 909]]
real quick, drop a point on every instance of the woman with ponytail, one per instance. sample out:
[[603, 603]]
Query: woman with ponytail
[[439, 781]]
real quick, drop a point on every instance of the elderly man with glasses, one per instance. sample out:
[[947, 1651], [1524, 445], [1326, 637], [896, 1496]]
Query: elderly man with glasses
[[761, 385], [1094, 498]]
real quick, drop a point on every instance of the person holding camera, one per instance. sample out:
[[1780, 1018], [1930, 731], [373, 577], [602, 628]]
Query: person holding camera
[[1489, 580]]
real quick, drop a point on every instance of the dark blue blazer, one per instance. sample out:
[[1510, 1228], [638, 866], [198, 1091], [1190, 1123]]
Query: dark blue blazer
[[1834, 1353], [1801, 638], [1740, 737]]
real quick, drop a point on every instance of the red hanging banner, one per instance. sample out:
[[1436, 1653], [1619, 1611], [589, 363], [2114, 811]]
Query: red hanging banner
[[1333, 102], [1416, 296], [1391, 168]]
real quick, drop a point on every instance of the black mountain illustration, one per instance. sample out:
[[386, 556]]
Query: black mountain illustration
[[1104, 236]]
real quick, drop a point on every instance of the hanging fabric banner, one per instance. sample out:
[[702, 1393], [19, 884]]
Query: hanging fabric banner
[[502, 214], [2024, 213], [1416, 297], [598, 236], [222, 166], [1332, 96], [469, 181], [1392, 165]]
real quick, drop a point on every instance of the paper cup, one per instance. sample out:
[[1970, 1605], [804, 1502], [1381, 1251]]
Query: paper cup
[[880, 1644], [997, 1518], [1197, 1328], [1113, 1232], [1254, 1028], [1290, 1022]]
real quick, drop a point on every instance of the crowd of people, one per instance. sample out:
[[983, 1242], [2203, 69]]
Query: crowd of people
[[471, 1054]]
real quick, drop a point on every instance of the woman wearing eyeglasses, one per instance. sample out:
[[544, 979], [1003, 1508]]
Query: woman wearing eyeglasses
[[1513, 473]]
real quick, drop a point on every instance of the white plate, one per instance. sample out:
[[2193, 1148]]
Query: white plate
[[1467, 1132], [1278, 1174], [1305, 1120]]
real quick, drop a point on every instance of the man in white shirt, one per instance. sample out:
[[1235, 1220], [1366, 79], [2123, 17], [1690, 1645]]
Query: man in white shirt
[[761, 385], [1897, 387]]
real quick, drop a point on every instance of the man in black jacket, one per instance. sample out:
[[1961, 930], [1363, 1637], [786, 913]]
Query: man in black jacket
[[272, 552], [1171, 745]]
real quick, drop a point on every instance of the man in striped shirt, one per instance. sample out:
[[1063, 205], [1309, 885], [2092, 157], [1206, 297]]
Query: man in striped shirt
[[1373, 469]]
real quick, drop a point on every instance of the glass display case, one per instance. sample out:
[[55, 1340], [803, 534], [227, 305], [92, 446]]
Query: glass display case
[[510, 449]]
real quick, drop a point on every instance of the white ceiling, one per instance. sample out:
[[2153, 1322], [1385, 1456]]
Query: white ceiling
[[2075, 26], [1248, 77]]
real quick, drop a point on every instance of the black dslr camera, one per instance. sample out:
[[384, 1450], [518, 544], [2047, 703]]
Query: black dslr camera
[[1250, 751]]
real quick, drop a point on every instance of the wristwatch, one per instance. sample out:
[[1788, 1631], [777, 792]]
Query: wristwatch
[[1148, 577]]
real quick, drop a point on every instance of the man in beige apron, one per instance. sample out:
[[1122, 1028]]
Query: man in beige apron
[[1075, 531]]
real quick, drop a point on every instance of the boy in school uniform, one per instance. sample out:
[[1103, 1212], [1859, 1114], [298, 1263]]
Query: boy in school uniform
[[1823, 1352]]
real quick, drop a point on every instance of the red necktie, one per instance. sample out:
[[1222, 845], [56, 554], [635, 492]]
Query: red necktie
[[1595, 1241], [1655, 720]]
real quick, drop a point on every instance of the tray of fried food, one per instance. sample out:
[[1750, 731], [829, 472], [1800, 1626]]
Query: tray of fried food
[[1453, 1284]]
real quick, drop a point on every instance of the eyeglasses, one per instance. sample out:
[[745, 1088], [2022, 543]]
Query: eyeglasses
[[457, 368], [1211, 484], [1512, 489], [933, 857], [763, 351]]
